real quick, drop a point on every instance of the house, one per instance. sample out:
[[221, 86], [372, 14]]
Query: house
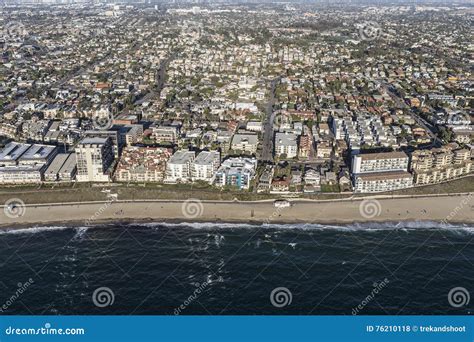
[[280, 185], [324, 150]]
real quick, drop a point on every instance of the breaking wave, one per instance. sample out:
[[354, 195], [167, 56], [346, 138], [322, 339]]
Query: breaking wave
[[374, 226], [42, 229]]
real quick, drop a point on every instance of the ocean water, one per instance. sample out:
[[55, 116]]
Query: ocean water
[[216, 268]]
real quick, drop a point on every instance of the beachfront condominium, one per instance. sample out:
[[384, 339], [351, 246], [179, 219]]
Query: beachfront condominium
[[380, 162], [376, 172], [142, 164], [116, 135], [178, 168], [25, 163], [205, 165], [440, 164], [383, 181], [236, 172], [62, 168], [94, 157]]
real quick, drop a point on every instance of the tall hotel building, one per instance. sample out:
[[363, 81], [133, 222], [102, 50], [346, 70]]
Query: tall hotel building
[[94, 157]]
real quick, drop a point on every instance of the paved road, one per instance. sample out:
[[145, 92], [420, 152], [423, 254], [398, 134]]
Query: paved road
[[267, 147], [160, 81]]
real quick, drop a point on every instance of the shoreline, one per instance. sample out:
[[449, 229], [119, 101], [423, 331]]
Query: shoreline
[[142, 222], [457, 208]]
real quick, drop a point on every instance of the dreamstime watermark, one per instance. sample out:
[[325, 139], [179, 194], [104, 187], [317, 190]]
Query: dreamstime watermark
[[370, 30], [14, 208], [377, 287], [103, 297], [19, 291], [458, 208], [276, 213], [103, 122], [193, 29], [280, 119], [13, 31], [458, 297], [281, 297], [370, 208], [195, 295], [192, 208], [100, 211]]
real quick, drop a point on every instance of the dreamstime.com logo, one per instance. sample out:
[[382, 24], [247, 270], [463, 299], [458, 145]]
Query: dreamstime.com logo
[[14, 208], [370, 208], [192, 208], [370, 30], [46, 330], [458, 297], [281, 297], [103, 297]]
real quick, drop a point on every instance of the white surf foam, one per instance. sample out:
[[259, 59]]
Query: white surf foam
[[405, 226], [32, 230], [42, 229]]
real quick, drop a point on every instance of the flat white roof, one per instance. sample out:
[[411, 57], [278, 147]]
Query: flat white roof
[[38, 152], [12, 151]]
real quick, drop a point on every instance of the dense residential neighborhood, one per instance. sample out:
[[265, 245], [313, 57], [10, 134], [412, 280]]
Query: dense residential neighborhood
[[257, 98]]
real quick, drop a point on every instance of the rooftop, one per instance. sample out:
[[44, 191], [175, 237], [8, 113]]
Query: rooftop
[[12, 151], [384, 176], [181, 157], [383, 155], [93, 141], [206, 157]]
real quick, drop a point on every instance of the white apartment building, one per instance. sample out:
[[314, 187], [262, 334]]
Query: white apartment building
[[254, 126], [246, 143], [94, 157], [365, 130], [286, 143], [205, 165], [116, 139], [178, 168], [377, 172], [380, 162], [165, 134], [382, 181]]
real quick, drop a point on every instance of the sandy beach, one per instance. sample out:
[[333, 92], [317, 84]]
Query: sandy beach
[[452, 208]]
